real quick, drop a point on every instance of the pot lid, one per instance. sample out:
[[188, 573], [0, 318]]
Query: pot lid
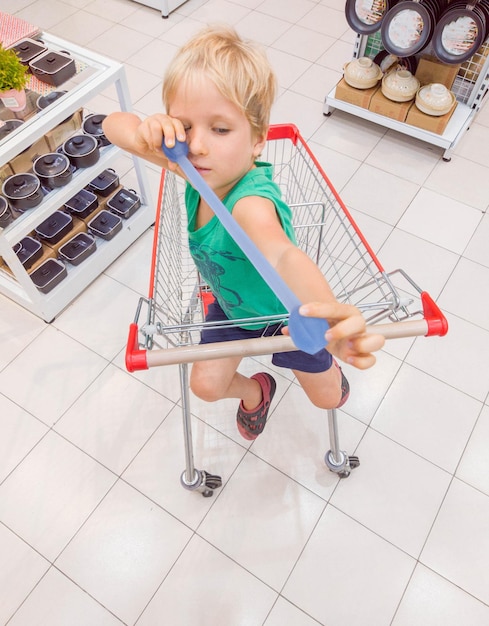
[[20, 186], [79, 145], [407, 28], [93, 124], [51, 164], [459, 34], [49, 98]]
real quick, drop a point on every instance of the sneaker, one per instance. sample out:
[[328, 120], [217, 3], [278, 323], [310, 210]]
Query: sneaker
[[251, 423], [345, 387]]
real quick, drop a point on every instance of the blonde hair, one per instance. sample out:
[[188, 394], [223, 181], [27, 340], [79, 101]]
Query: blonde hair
[[239, 69]]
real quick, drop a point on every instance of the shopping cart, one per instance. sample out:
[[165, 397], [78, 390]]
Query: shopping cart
[[177, 302]]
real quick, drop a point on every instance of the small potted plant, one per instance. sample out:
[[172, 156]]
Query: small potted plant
[[13, 80]]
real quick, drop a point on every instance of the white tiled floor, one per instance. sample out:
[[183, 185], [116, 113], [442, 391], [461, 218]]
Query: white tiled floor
[[95, 529]]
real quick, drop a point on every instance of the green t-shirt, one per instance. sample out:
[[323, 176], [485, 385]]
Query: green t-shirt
[[238, 287]]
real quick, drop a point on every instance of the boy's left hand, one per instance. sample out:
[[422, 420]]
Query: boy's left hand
[[347, 337]]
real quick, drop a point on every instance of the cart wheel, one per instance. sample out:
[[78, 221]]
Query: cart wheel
[[212, 481], [343, 465], [203, 482], [447, 159]]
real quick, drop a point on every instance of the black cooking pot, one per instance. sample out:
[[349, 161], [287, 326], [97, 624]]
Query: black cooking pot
[[28, 251], [8, 126], [5, 214], [44, 101], [55, 227], [28, 49], [53, 169], [92, 125], [82, 150], [23, 191]]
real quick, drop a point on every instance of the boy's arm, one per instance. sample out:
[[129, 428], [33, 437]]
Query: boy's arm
[[144, 138], [347, 338]]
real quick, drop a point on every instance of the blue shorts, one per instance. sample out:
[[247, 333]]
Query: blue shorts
[[295, 360]]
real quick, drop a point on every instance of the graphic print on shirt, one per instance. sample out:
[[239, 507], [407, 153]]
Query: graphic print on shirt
[[207, 262]]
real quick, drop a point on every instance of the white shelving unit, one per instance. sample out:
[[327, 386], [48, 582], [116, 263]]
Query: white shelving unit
[[96, 73], [165, 6], [470, 87]]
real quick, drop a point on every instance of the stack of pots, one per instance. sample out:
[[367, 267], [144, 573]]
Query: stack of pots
[[455, 28]]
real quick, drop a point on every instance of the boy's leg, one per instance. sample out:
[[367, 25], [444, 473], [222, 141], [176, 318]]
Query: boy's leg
[[326, 390], [219, 379]]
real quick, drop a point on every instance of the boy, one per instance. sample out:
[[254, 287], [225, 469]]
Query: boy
[[218, 93]]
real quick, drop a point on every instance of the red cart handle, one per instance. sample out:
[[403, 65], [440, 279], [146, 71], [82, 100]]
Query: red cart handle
[[135, 358], [437, 322]]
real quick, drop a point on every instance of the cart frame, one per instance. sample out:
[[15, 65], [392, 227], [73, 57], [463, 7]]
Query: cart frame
[[177, 298]]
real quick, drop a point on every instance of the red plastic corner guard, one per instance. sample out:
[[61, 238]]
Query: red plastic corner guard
[[437, 322], [135, 358]]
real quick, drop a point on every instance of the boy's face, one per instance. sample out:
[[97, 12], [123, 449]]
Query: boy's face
[[222, 146]]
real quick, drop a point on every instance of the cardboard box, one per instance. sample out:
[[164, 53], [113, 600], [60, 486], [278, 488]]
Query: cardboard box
[[430, 70], [358, 97], [383, 106], [5, 172], [60, 133], [23, 161], [433, 123]]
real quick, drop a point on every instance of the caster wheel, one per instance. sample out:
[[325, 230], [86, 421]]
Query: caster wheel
[[211, 481], [447, 159], [343, 466], [354, 461]]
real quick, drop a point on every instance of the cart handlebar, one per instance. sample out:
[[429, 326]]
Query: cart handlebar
[[137, 359]]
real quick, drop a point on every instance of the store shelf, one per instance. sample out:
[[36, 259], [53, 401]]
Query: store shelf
[[94, 74], [470, 88], [458, 124], [165, 6]]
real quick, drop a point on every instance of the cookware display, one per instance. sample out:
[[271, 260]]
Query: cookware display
[[460, 31], [28, 251], [400, 86], [8, 126], [55, 227], [49, 274], [365, 16], [82, 204], [6, 217], [124, 203], [82, 150], [362, 73], [53, 67], [53, 169], [23, 191], [78, 248], [408, 26], [435, 99], [44, 101], [92, 125], [105, 224], [105, 183], [28, 49]]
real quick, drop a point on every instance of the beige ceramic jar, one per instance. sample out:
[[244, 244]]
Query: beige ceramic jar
[[362, 73], [400, 86]]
